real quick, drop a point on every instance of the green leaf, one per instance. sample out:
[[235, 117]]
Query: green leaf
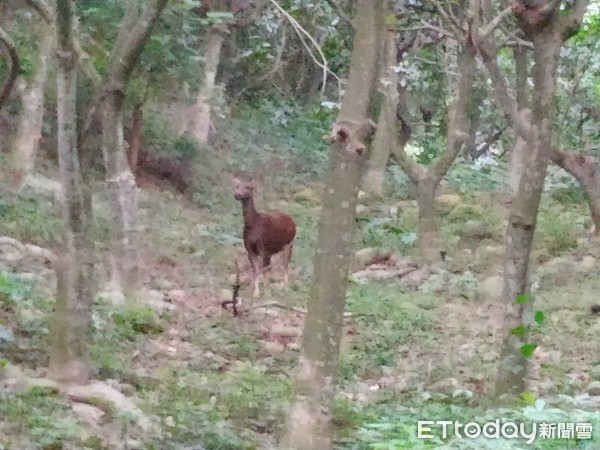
[[527, 350], [539, 317], [528, 398], [518, 331], [390, 20], [522, 298]]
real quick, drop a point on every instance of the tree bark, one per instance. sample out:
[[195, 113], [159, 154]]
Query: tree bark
[[29, 131], [517, 154], [309, 420], [380, 152], [135, 139], [133, 34], [200, 120], [72, 316], [13, 62]]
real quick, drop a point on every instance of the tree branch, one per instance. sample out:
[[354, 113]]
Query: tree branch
[[46, 13], [126, 49], [130, 42], [450, 20], [488, 51], [15, 66], [493, 24], [458, 121], [301, 31], [448, 17], [42, 8]]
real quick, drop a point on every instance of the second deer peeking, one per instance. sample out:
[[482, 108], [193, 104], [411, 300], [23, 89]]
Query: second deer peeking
[[265, 233]]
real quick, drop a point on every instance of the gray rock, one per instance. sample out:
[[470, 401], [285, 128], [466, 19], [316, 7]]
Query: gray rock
[[594, 388], [490, 288]]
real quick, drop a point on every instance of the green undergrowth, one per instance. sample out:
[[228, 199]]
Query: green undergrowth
[[30, 218], [402, 319]]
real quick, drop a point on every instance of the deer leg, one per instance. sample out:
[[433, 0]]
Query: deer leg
[[287, 255], [255, 261], [263, 262]]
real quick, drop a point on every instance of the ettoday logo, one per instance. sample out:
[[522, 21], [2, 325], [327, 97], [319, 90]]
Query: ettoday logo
[[506, 430]]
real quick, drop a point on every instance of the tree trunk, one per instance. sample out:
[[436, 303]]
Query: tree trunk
[[547, 28], [135, 139], [13, 61], [123, 199], [72, 316], [309, 420], [29, 131], [517, 154], [134, 31], [382, 144], [429, 244], [426, 178], [513, 370], [200, 120]]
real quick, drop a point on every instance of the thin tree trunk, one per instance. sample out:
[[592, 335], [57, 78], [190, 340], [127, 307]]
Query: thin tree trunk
[[427, 178], [29, 130], [547, 28], [135, 139], [382, 145], [72, 316], [429, 244], [123, 199], [135, 30], [13, 61], [513, 370], [308, 424], [517, 154], [200, 121]]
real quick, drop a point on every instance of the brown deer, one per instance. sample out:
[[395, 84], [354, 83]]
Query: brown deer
[[265, 233]]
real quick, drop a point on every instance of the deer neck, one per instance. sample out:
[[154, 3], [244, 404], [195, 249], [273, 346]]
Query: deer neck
[[250, 213]]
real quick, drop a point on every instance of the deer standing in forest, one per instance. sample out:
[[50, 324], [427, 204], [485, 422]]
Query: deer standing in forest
[[265, 233]]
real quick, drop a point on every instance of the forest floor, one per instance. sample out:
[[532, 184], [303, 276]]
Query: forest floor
[[414, 349]]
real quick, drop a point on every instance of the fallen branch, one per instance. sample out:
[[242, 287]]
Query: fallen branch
[[274, 304]]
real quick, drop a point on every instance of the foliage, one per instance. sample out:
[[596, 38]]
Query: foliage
[[278, 127], [389, 232], [30, 218], [13, 289], [563, 187], [269, 53], [29, 410], [466, 177], [132, 319], [556, 230]]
